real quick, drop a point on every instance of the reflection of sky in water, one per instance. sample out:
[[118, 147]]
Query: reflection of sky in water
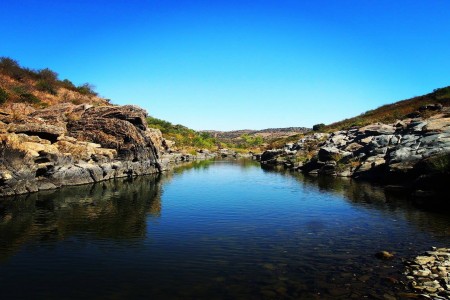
[[226, 229]]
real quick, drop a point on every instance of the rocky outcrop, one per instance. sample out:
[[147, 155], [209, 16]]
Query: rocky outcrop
[[75, 144], [413, 152], [122, 128]]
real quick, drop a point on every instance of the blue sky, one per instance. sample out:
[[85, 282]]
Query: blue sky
[[237, 64]]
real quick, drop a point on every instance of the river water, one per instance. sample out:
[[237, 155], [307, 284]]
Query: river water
[[213, 230]]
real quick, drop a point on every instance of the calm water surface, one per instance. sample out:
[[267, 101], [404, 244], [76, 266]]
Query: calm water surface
[[216, 230]]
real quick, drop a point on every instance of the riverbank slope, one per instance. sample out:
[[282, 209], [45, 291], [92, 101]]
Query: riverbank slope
[[411, 154]]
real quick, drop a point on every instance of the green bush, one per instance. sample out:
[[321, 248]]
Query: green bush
[[87, 89], [20, 89], [248, 141], [67, 84], [3, 96], [48, 75], [181, 135], [11, 68], [29, 98], [46, 86], [318, 127]]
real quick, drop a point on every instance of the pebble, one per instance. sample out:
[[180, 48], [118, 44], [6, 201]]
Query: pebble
[[428, 274]]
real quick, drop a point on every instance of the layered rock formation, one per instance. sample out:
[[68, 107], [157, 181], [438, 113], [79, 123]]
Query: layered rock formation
[[412, 152], [74, 144]]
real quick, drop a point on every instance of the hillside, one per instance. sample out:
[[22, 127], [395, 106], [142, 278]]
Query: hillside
[[20, 87], [256, 138], [421, 106]]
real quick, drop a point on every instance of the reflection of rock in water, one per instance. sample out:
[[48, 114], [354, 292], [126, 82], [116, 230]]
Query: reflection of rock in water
[[112, 209], [372, 196]]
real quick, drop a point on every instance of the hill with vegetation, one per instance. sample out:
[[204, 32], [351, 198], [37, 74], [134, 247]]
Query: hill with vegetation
[[421, 106], [182, 136], [40, 88]]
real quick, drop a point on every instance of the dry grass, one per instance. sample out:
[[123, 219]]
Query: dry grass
[[15, 88], [391, 112]]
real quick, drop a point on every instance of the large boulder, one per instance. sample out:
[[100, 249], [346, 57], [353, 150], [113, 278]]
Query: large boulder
[[122, 128], [271, 154]]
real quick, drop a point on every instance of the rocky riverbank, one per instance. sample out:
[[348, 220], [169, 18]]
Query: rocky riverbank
[[70, 144], [428, 274], [67, 144], [411, 155]]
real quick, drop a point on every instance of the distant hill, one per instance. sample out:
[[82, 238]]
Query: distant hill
[[269, 133]]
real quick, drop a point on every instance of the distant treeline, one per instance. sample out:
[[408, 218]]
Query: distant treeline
[[188, 138]]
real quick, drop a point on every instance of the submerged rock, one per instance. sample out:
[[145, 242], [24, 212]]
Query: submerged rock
[[384, 255], [428, 274]]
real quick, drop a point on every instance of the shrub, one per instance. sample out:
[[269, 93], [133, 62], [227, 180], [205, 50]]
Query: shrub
[[29, 98], [318, 127], [87, 89], [248, 141], [67, 84], [442, 92], [20, 89], [46, 86], [181, 135], [48, 75], [11, 68], [3, 96]]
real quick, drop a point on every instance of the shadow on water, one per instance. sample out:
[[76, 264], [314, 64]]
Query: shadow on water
[[365, 195], [115, 209]]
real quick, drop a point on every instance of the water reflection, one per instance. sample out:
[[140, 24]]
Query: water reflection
[[366, 195], [213, 230], [115, 209]]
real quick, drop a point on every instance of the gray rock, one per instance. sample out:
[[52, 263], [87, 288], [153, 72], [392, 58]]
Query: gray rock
[[378, 129], [381, 140]]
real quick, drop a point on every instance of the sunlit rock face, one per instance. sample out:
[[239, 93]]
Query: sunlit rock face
[[415, 152], [74, 144]]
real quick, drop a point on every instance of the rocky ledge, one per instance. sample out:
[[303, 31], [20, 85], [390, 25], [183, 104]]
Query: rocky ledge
[[75, 144], [428, 274], [412, 154]]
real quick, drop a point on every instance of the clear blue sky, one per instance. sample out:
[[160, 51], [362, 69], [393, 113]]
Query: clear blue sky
[[237, 64]]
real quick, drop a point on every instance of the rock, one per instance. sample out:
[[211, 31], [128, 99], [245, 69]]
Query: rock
[[432, 107], [121, 128], [352, 147], [332, 153], [417, 126], [438, 125], [44, 131], [384, 255], [88, 145], [403, 154], [270, 154], [366, 140], [381, 140], [428, 273], [377, 129]]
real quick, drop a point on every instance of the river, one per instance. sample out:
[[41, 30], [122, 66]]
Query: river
[[212, 230]]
